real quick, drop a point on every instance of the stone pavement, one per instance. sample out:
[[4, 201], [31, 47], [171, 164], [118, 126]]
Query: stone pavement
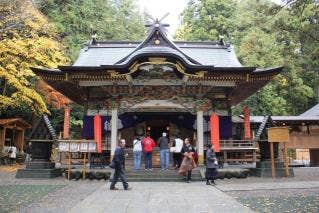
[[230, 195], [149, 197]]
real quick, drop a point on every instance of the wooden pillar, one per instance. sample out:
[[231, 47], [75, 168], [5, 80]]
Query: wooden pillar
[[254, 156], [18, 139], [286, 160], [200, 137], [66, 124], [22, 139], [247, 131], [113, 131], [15, 137], [272, 157], [2, 137]]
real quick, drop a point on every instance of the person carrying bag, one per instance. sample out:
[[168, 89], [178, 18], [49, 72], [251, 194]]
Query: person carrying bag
[[176, 149], [188, 163], [211, 166]]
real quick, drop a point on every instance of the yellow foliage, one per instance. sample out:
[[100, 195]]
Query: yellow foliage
[[26, 40]]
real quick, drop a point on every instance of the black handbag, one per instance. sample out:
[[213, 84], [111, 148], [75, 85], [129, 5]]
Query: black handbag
[[112, 165]]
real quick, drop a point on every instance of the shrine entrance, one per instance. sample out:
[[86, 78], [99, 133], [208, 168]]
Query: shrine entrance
[[157, 127], [173, 123]]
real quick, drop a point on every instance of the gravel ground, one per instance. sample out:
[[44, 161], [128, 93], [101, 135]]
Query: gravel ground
[[281, 200], [13, 197], [41, 195]]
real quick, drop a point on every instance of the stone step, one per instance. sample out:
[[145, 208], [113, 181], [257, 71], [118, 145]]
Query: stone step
[[161, 179], [157, 175]]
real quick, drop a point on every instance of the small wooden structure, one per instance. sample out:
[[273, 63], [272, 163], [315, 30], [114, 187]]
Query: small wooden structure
[[18, 127], [73, 146], [278, 134]]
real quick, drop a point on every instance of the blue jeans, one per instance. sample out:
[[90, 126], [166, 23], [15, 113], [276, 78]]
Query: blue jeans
[[148, 160], [137, 159], [164, 158]]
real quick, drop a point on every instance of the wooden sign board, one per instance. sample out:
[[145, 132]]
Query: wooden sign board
[[278, 134], [77, 147]]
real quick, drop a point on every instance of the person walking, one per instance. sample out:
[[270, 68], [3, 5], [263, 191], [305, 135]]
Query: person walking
[[211, 165], [177, 155], [164, 151], [137, 152], [188, 163], [148, 145], [118, 163]]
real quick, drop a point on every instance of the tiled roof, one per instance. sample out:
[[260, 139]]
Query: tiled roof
[[314, 111], [206, 54], [259, 119]]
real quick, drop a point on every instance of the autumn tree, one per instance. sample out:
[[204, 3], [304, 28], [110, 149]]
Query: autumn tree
[[26, 40]]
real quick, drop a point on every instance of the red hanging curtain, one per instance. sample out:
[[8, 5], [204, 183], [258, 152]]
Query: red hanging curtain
[[98, 133], [214, 131], [247, 132]]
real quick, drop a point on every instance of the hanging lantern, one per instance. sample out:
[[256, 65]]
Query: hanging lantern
[[214, 131], [247, 132], [98, 132]]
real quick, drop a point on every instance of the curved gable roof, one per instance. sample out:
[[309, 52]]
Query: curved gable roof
[[213, 54]]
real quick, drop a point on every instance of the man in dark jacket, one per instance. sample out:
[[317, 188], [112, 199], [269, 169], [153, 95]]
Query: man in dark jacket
[[119, 161]]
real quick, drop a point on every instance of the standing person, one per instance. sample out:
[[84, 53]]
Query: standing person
[[177, 155], [137, 152], [28, 152], [188, 162], [164, 151], [118, 164], [13, 154], [148, 146], [211, 165]]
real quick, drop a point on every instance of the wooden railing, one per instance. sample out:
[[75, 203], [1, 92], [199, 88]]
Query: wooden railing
[[237, 145]]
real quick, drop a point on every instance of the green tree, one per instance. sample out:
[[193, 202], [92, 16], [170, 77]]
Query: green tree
[[77, 20], [266, 35], [207, 20]]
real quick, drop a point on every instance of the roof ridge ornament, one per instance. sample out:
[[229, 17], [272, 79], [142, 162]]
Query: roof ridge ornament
[[221, 40], [157, 37], [157, 23], [93, 34]]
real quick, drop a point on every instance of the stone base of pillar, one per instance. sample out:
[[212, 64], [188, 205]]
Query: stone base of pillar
[[200, 160]]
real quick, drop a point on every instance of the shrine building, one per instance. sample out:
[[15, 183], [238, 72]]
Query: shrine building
[[159, 85]]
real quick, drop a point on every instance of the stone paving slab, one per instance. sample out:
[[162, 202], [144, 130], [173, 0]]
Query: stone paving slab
[[268, 186], [160, 197]]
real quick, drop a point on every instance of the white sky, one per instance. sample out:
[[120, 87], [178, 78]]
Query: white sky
[[158, 8]]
